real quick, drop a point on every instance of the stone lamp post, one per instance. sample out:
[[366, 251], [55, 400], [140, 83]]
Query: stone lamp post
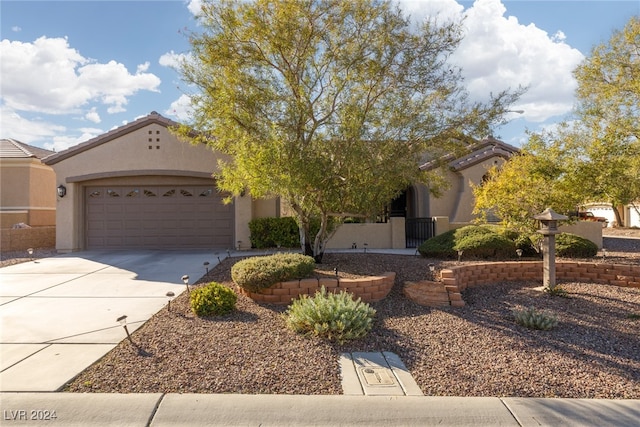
[[549, 220]]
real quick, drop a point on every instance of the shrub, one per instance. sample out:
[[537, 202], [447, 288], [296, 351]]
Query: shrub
[[571, 246], [335, 317], [274, 232], [534, 319], [482, 242], [212, 300], [556, 291], [256, 273], [440, 246]]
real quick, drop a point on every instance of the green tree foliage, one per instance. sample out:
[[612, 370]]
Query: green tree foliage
[[328, 104], [526, 185], [608, 130], [595, 158]]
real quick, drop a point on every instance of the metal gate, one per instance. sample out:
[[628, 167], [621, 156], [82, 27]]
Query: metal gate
[[417, 230]]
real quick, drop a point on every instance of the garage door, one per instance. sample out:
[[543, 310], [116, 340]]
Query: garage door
[[173, 217]]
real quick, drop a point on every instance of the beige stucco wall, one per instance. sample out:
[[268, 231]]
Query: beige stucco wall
[[27, 192], [390, 235], [149, 154], [445, 205]]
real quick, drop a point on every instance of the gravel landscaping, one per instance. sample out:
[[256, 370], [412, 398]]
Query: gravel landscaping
[[476, 350]]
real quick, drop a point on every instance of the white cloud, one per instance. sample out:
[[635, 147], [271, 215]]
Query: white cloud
[[498, 53], [15, 126], [16, 29], [180, 109], [93, 116], [48, 76], [173, 60]]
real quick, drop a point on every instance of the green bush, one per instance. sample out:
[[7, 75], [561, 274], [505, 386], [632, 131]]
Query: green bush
[[534, 319], [253, 274], [440, 246], [335, 317], [478, 241], [571, 246], [212, 300], [274, 232], [278, 232], [482, 242]]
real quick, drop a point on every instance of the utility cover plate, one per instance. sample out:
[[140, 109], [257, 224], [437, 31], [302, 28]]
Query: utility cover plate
[[377, 376]]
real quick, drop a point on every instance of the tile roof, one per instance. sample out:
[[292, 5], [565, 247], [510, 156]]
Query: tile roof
[[478, 152], [12, 149]]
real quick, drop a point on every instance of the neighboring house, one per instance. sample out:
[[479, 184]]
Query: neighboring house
[[27, 186], [630, 215], [138, 186]]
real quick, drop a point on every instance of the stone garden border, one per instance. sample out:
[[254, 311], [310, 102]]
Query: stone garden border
[[368, 289]]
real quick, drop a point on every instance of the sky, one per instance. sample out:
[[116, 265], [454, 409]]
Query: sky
[[73, 70]]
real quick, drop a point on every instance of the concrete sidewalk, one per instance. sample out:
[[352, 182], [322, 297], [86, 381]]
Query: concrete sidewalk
[[157, 410]]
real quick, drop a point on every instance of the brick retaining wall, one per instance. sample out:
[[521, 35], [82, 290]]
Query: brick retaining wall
[[369, 289], [457, 279]]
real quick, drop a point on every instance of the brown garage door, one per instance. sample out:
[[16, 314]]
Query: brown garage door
[[157, 217]]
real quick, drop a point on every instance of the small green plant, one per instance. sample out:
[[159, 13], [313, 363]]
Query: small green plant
[[556, 291], [212, 300], [633, 316], [534, 319], [572, 246], [335, 317], [256, 273]]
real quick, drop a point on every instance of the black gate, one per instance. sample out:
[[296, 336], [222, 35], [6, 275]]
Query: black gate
[[417, 230]]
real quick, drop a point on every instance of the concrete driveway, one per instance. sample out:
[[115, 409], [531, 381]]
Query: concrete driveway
[[58, 315]]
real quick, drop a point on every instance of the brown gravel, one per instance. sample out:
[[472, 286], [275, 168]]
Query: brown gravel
[[477, 350]]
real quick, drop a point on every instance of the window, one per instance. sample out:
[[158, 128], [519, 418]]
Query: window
[[133, 193], [185, 193], [149, 193], [96, 193], [170, 193], [206, 193], [113, 193]]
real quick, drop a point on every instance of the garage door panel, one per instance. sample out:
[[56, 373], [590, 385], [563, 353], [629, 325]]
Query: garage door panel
[[157, 217]]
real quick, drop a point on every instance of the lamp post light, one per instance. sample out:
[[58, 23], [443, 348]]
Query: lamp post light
[[365, 247], [30, 252], [185, 279], [460, 256], [549, 228], [123, 321], [519, 253], [170, 295], [228, 253], [432, 269], [604, 254], [206, 265]]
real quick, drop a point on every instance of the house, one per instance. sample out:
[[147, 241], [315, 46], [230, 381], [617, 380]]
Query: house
[[138, 186], [27, 186]]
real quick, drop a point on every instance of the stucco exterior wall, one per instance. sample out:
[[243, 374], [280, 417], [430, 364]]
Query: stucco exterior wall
[[472, 175], [150, 154], [27, 192], [375, 235]]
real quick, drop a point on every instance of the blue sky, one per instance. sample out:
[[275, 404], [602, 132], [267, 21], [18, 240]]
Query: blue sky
[[72, 70]]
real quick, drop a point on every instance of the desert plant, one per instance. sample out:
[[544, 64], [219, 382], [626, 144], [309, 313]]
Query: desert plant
[[556, 291], [212, 300], [534, 319], [572, 246], [332, 316], [256, 273]]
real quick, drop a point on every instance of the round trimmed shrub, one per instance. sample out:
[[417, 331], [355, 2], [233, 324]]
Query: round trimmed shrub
[[212, 300], [569, 245], [332, 316], [256, 273], [440, 246], [482, 242]]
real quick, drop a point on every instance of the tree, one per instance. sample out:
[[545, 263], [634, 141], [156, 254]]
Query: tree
[[594, 158], [608, 109], [328, 104], [527, 184]]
